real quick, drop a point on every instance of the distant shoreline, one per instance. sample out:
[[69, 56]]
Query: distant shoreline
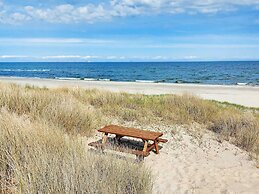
[[181, 82], [242, 95]]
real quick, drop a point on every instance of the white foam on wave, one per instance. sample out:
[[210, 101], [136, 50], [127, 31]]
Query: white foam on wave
[[25, 70], [67, 78], [104, 79], [242, 84], [83, 79], [146, 81], [90, 79]]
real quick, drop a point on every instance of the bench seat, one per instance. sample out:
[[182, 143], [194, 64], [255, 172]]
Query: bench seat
[[162, 140], [119, 148]]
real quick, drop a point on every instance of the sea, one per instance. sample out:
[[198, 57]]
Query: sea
[[215, 73]]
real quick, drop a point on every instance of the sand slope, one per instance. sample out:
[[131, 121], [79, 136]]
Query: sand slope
[[195, 163]]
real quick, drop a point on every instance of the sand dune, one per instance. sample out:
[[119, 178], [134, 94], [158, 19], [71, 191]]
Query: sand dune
[[194, 161], [243, 95], [191, 164]]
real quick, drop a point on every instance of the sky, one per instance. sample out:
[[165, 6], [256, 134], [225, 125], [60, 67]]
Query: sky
[[129, 30]]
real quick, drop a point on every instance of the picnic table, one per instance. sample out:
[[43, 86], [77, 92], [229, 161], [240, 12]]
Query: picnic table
[[145, 135]]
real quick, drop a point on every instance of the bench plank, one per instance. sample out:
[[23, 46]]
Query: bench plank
[[121, 149], [131, 132], [162, 140]]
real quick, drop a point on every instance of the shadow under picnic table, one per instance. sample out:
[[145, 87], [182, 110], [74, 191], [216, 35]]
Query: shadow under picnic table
[[125, 145]]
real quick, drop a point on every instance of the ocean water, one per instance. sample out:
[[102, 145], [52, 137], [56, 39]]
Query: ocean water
[[223, 73]]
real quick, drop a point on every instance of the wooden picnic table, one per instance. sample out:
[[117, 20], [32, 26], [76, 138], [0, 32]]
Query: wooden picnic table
[[135, 133]]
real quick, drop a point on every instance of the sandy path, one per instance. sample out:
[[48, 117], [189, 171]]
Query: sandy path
[[243, 95]]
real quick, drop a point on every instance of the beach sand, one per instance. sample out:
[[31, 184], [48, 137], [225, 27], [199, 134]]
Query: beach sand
[[242, 95], [191, 163]]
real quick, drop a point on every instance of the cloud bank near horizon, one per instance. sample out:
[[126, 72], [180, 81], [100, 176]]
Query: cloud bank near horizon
[[155, 49]]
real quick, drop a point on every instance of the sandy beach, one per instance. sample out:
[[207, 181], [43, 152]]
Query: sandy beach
[[242, 95]]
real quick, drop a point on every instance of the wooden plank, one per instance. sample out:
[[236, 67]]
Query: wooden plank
[[162, 140], [152, 146], [121, 149], [145, 146], [104, 139], [156, 147], [131, 132]]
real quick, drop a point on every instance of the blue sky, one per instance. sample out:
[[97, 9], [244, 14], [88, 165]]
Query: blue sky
[[129, 30]]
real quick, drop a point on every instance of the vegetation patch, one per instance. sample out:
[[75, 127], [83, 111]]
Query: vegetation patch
[[41, 150], [41, 134]]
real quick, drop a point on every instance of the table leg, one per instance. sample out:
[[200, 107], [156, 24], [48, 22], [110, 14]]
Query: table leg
[[104, 139], [145, 145], [156, 146]]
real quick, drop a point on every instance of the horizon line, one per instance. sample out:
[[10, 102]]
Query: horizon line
[[245, 60]]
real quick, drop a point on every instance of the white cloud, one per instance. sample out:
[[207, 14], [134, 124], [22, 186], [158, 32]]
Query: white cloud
[[55, 41], [82, 57], [12, 56], [13, 18], [188, 6], [159, 57], [113, 57], [190, 57], [68, 13], [70, 57]]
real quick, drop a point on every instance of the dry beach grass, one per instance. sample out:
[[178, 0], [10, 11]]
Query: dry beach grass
[[40, 151], [41, 134], [38, 159], [239, 125]]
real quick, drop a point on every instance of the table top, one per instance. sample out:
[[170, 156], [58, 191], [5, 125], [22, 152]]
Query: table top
[[131, 132]]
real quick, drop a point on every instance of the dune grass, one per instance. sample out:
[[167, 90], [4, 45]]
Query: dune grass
[[57, 109], [238, 125], [41, 134], [41, 150], [35, 158]]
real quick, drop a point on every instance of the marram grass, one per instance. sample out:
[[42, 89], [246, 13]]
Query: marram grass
[[41, 130], [37, 158], [42, 148]]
